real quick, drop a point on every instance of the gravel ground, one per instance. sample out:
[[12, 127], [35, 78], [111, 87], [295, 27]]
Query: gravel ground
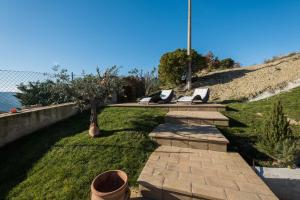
[[248, 82]]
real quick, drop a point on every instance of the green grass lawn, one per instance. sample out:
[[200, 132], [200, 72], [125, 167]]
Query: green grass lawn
[[60, 161], [246, 120]]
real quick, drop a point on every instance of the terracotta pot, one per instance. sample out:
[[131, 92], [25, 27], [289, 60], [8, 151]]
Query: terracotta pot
[[94, 130], [110, 185]]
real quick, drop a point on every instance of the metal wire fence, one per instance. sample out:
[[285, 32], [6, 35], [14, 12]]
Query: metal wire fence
[[10, 80]]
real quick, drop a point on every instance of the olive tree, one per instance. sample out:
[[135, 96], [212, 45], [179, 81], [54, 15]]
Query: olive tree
[[91, 90]]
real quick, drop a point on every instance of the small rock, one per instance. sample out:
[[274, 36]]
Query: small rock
[[259, 114], [293, 122]]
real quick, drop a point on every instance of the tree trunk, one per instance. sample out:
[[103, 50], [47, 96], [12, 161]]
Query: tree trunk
[[94, 130]]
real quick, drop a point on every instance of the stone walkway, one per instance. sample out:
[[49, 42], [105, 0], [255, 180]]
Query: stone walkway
[[179, 169], [183, 173]]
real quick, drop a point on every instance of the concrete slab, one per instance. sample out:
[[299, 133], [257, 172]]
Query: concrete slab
[[183, 173], [204, 137], [284, 182], [197, 118]]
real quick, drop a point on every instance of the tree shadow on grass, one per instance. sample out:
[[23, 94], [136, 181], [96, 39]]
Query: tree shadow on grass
[[18, 157], [143, 124], [236, 123]]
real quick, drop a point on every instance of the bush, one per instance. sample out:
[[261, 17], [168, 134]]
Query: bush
[[173, 66], [47, 92], [133, 88], [276, 138], [227, 63]]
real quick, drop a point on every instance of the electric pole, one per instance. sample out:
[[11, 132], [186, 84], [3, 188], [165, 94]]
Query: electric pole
[[189, 47]]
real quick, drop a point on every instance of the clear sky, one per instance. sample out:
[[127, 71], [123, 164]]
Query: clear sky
[[81, 34]]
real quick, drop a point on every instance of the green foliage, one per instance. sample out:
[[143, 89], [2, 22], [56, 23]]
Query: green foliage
[[46, 93], [246, 126], [61, 161], [92, 90], [213, 63], [276, 138], [227, 63], [133, 88], [139, 84], [276, 126], [173, 66], [285, 150], [151, 82], [95, 88]]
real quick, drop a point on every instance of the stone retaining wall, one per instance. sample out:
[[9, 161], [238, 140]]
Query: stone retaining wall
[[14, 126]]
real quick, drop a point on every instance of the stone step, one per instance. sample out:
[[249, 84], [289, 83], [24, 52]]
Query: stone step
[[175, 106], [205, 137], [197, 118], [173, 173]]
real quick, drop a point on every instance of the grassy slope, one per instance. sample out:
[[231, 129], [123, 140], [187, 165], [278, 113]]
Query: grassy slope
[[247, 118], [61, 161]]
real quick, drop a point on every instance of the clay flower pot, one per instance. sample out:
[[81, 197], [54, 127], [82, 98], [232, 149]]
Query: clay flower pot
[[94, 130], [110, 185]]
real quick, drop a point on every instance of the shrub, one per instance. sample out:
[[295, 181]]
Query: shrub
[[48, 92], [276, 138], [173, 66], [227, 63], [133, 88], [138, 84], [151, 82]]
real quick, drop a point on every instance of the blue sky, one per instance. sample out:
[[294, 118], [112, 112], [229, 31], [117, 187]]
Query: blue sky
[[81, 34]]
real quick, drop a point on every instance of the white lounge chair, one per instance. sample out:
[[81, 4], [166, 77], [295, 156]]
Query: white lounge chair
[[199, 94], [165, 96]]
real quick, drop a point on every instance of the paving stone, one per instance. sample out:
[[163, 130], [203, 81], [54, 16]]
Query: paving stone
[[183, 175], [207, 191], [161, 141], [268, 197], [182, 167], [198, 145], [222, 183], [170, 195], [196, 117], [238, 195], [184, 186], [203, 137], [217, 147], [180, 143], [254, 188]]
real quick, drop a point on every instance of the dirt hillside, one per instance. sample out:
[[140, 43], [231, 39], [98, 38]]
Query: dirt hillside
[[248, 82]]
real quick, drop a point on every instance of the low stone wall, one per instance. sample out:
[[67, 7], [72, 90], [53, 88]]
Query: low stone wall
[[285, 183], [14, 126]]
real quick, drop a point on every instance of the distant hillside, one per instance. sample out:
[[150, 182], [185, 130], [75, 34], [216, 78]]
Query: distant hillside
[[8, 101], [249, 82]]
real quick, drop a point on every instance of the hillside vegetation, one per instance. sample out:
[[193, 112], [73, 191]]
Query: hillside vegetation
[[246, 120], [248, 82]]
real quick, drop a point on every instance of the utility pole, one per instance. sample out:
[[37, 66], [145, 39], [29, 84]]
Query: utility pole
[[189, 47]]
